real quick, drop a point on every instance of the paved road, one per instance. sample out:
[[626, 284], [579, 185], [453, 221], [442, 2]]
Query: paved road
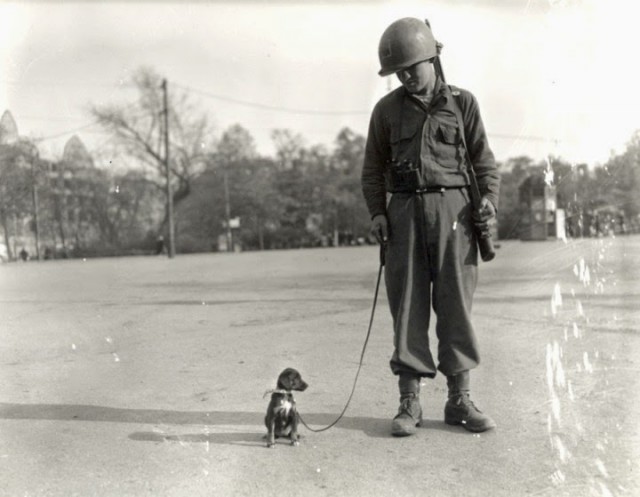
[[144, 376]]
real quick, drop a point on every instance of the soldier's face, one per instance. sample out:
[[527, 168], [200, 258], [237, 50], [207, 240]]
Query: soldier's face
[[418, 78]]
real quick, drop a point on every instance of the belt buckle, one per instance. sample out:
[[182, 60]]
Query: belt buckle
[[438, 189]]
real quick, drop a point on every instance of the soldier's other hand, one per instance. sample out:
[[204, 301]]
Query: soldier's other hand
[[486, 212], [380, 228]]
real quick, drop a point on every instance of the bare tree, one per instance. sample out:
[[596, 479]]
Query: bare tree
[[136, 128]]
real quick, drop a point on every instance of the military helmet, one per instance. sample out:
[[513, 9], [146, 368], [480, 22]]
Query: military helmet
[[404, 43]]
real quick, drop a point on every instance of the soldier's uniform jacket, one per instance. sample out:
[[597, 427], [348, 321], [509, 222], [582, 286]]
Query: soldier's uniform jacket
[[413, 151], [411, 146]]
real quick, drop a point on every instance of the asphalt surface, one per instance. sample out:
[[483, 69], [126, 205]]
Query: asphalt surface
[[145, 376]]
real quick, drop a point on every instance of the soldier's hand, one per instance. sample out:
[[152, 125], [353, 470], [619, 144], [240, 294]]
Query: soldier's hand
[[486, 212], [483, 216], [380, 228]]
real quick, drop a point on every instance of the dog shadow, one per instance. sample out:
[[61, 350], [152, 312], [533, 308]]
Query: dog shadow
[[206, 420]]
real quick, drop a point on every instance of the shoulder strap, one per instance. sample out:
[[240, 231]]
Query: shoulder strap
[[475, 191], [460, 119]]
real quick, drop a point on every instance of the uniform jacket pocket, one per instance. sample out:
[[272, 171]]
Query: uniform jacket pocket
[[405, 139], [445, 142], [449, 134]]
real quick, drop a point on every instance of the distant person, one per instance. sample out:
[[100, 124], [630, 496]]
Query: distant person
[[414, 152], [24, 255], [160, 246], [622, 225]]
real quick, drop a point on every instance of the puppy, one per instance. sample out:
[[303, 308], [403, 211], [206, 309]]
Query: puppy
[[282, 417]]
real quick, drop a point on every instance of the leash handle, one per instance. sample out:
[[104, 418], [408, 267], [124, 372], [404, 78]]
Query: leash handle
[[364, 348]]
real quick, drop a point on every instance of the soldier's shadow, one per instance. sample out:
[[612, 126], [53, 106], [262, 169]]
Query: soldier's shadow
[[214, 427]]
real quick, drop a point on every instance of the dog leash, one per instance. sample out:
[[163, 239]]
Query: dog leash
[[364, 348]]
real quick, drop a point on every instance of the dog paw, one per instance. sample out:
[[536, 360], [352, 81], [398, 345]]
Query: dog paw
[[295, 443], [270, 445]]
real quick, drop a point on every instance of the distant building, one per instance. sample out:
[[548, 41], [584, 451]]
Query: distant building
[[76, 155], [541, 217], [62, 190], [13, 154], [71, 182], [8, 129]]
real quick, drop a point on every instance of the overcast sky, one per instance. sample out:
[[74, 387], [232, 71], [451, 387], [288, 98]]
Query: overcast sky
[[552, 77]]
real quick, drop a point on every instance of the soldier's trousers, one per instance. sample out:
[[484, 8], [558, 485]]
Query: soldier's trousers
[[431, 261]]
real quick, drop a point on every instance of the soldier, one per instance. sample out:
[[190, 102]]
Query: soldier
[[414, 153]]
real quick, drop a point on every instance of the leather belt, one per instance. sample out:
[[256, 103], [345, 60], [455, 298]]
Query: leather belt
[[430, 189]]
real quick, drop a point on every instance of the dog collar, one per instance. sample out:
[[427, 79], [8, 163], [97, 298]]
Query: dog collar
[[276, 390]]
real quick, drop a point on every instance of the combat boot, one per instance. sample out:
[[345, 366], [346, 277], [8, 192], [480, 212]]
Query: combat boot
[[410, 412], [460, 410], [409, 416]]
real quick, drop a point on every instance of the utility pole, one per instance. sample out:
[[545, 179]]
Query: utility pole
[[172, 245]]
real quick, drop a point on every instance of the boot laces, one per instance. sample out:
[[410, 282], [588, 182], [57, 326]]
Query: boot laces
[[406, 404], [466, 401]]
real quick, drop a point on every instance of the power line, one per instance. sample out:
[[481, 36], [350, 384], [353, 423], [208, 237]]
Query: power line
[[63, 133], [490, 135], [95, 122], [272, 107], [53, 118], [336, 113], [83, 84], [256, 105], [522, 137]]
